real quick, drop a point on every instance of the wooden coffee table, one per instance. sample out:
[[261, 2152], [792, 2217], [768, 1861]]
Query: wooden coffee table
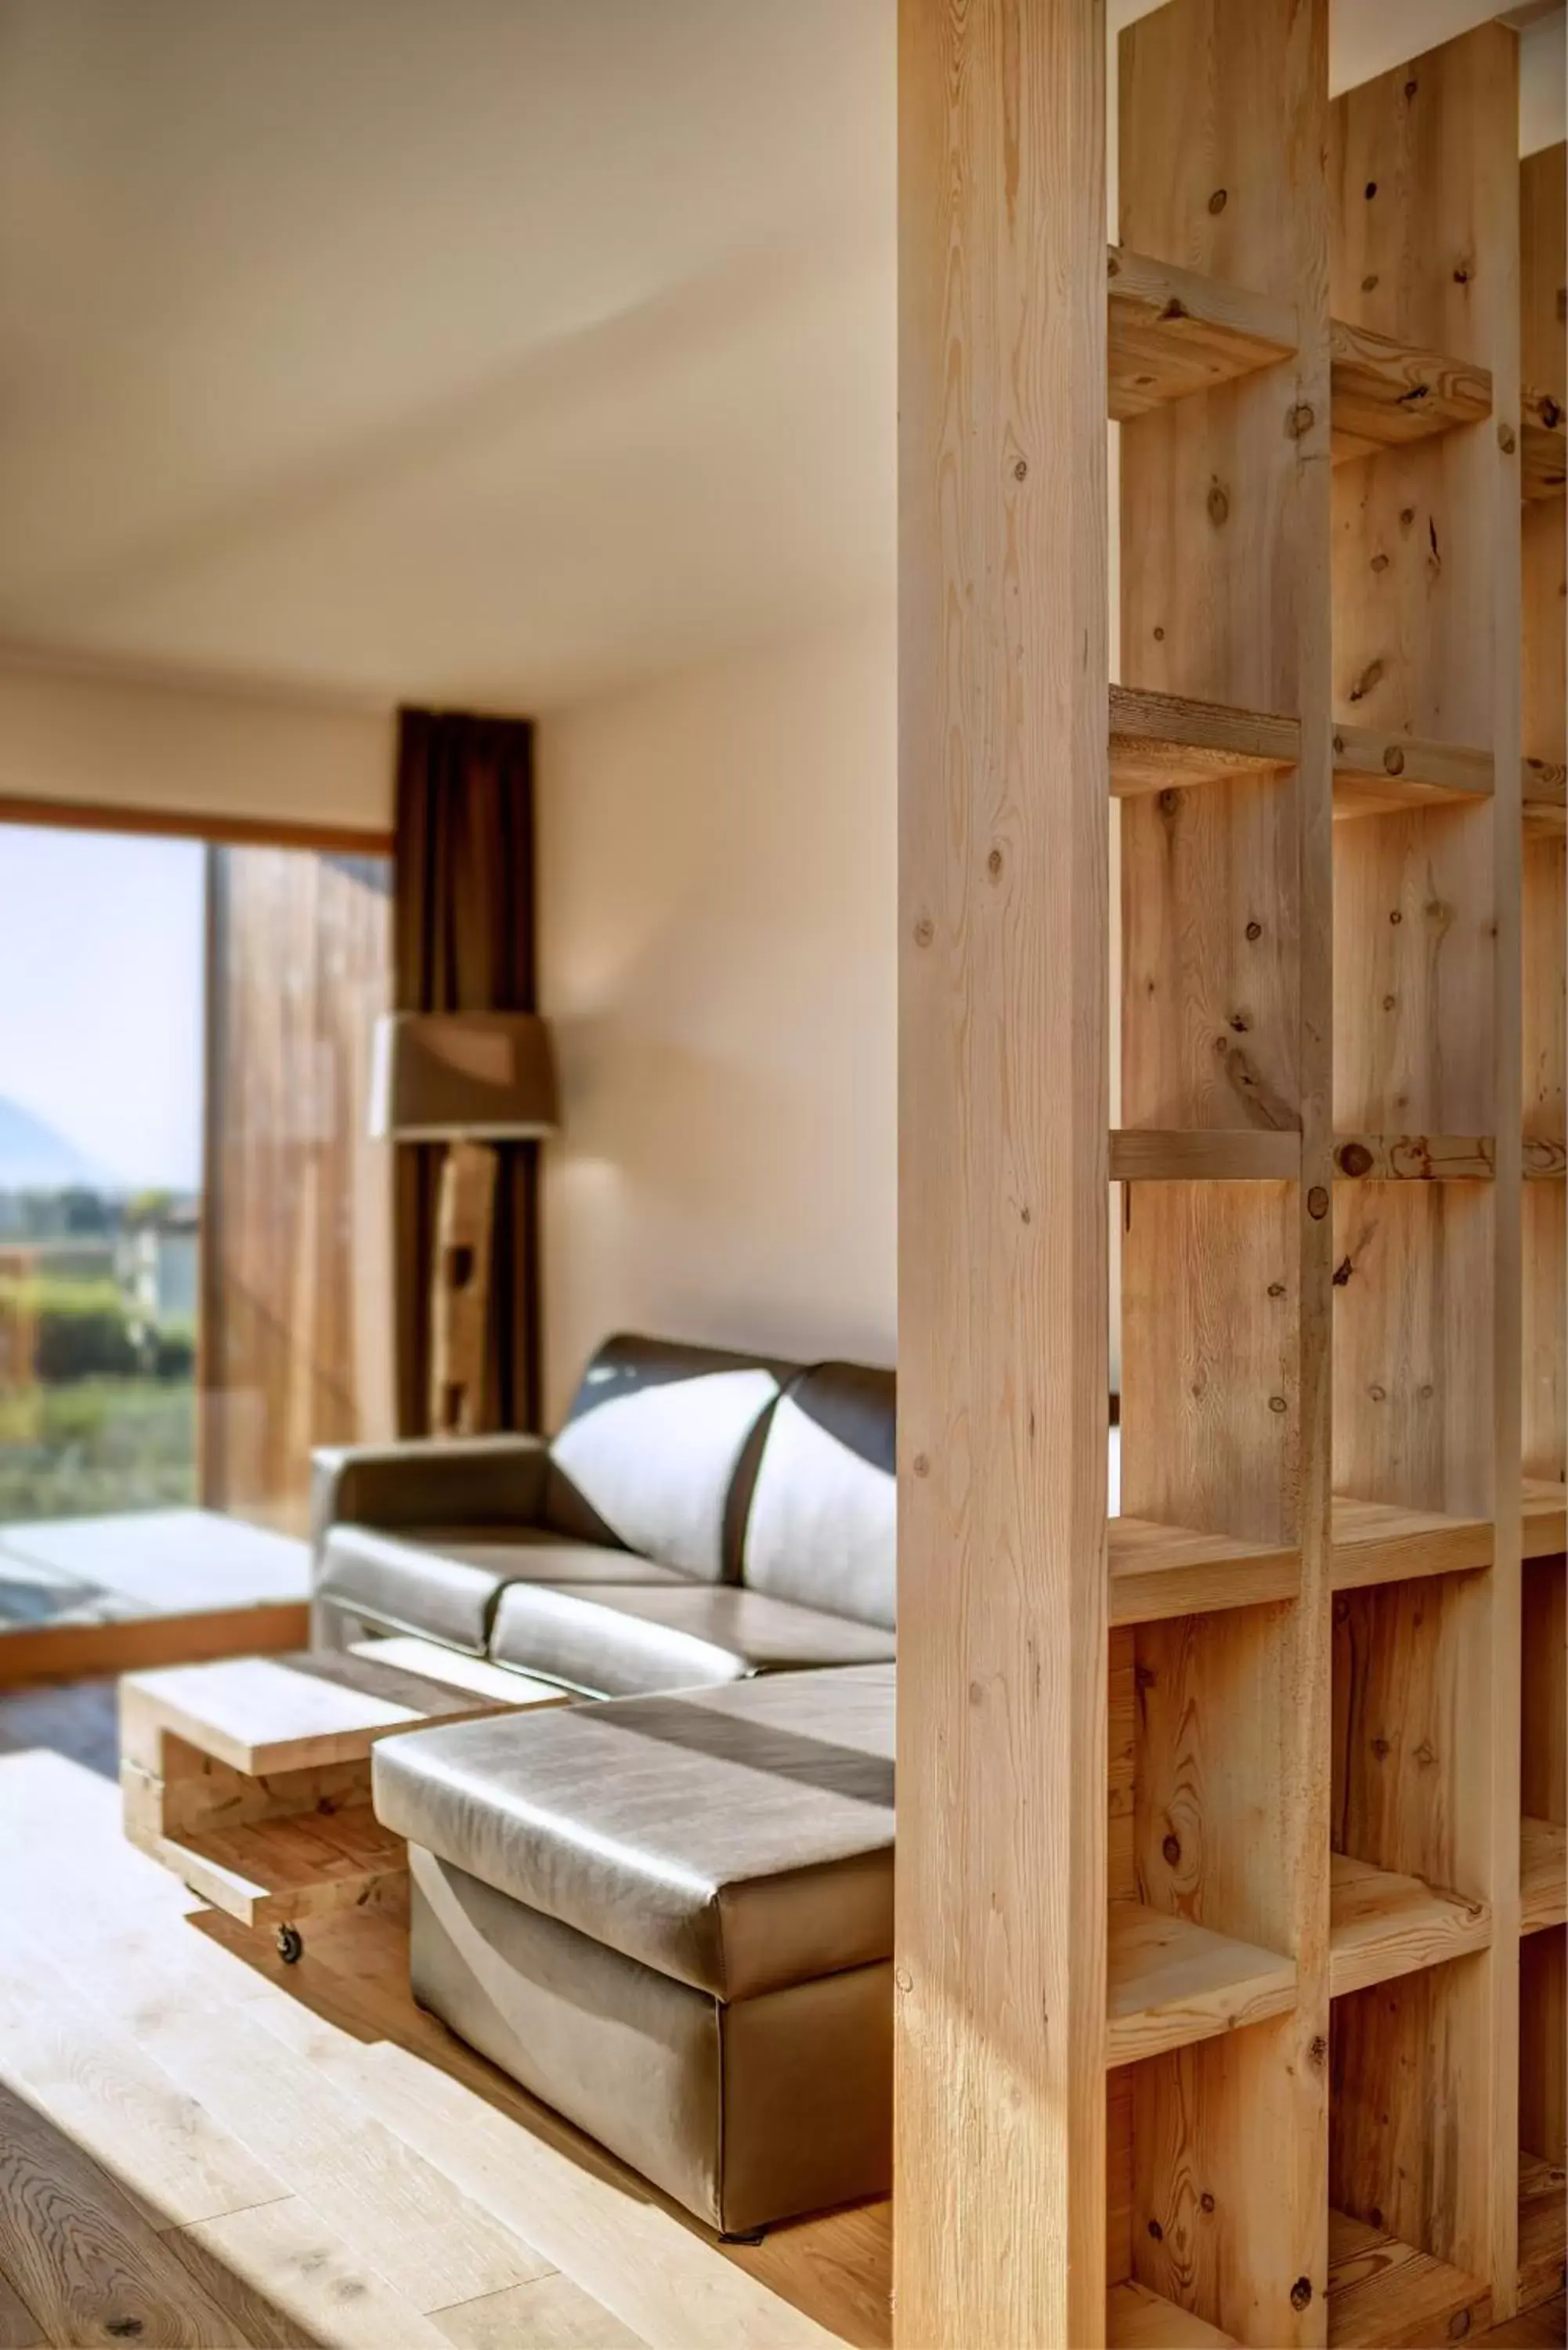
[[251, 1777]]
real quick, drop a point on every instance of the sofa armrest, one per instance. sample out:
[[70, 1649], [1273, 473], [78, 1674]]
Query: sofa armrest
[[425, 1481]]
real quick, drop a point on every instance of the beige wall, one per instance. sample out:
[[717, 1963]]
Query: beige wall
[[102, 741], [717, 887]]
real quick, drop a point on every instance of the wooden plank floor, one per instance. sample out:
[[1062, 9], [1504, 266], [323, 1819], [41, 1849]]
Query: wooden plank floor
[[199, 2146]]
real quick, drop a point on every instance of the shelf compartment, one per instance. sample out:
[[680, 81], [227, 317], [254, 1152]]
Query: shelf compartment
[[1385, 393], [1542, 2228], [1170, 1984], [1384, 2293], [1415, 1157], [1164, 741], [1159, 1572], [1374, 1541], [1171, 332], [1545, 1507], [1379, 774], [280, 1872], [1137, 2319], [1542, 1876], [1544, 459], [1383, 1926], [1196, 1154]]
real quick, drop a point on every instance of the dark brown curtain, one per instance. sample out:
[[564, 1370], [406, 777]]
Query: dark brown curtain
[[464, 940]]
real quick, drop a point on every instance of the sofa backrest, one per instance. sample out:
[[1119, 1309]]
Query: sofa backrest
[[821, 1526], [659, 1450]]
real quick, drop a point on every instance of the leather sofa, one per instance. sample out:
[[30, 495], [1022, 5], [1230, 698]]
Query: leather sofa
[[700, 1517], [669, 1915]]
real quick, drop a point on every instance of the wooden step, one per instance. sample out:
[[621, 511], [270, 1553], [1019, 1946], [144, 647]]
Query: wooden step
[[1373, 1542], [1204, 1155], [1383, 1926], [1386, 2295], [1167, 741], [1545, 1506], [285, 1871], [1542, 2228], [1170, 1984], [1160, 1572], [1386, 394], [1543, 458], [1542, 1876], [1172, 332], [1415, 1157], [1137, 2319]]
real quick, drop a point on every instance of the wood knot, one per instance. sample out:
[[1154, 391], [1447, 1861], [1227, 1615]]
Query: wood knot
[[1218, 202], [1254, 931], [1341, 1272], [1317, 1204], [1219, 505], [1505, 440], [1300, 421], [1301, 2292], [1394, 760], [1277, 1404], [1171, 1848], [1355, 1159]]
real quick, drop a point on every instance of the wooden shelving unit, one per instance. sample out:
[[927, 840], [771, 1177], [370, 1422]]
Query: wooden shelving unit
[[1343, 1246], [1325, 2029]]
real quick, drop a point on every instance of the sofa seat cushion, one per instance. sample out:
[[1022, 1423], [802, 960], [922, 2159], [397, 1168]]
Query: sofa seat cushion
[[443, 1581], [737, 1838], [633, 1643]]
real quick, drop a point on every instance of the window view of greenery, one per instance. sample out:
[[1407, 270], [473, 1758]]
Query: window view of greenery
[[100, 1074]]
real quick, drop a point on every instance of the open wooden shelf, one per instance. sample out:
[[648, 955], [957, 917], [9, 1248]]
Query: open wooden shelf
[[1170, 1984], [1542, 1876], [1376, 1542], [1136, 2319], [283, 1871], [1160, 1571], [1387, 394], [1205, 1155], [1384, 2293], [1166, 742], [1543, 458], [1172, 332], [1377, 773], [1383, 1926], [1415, 1157], [1542, 2228], [1545, 1506]]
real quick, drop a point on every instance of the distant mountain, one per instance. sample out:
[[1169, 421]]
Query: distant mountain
[[35, 1157]]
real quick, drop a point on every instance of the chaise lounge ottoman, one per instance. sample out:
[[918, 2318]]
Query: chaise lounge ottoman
[[672, 1919]]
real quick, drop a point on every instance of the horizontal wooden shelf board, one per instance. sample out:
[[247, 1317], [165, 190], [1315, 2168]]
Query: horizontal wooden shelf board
[[1377, 773], [1374, 1541], [1544, 459], [1137, 2319], [1386, 394], [1165, 742], [1160, 1572], [1542, 1876], [1383, 1926], [1415, 1157], [283, 1871], [1204, 1154], [1170, 1984], [1545, 784], [1386, 2294], [1545, 1512], [1542, 2228], [1171, 332]]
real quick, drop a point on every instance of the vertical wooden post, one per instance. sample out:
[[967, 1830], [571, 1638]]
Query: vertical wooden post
[[1001, 1932]]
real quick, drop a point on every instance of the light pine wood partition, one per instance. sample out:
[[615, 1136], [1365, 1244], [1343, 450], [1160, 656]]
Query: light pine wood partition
[[1294, 1724]]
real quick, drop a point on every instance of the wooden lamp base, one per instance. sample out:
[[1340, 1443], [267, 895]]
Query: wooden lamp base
[[460, 1289]]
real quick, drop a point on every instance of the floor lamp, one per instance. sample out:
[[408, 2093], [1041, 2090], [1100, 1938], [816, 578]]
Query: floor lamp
[[469, 1080]]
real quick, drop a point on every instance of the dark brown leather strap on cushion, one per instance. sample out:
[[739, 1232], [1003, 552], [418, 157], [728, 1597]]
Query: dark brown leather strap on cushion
[[822, 1529], [658, 1451]]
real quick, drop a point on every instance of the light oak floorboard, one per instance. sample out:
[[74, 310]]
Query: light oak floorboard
[[551, 2313], [288, 2281]]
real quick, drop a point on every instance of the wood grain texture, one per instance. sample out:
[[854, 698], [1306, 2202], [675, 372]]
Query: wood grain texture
[[1171, 1983], [1543, 1717], [1208, 1154], [1374, 1541], [1003, 1197], [1383, 2291], [1377, 773], [1545, 1517], [76, 1651], [1543, 1881], [1173, 332], [1415, 1157], [1136, 2319], [1159, 1572]]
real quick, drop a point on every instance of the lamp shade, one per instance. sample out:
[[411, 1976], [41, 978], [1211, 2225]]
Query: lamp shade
[[443, 1076]]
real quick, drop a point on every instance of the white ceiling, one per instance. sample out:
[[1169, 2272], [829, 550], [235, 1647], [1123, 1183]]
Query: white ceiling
[[489, 351]]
